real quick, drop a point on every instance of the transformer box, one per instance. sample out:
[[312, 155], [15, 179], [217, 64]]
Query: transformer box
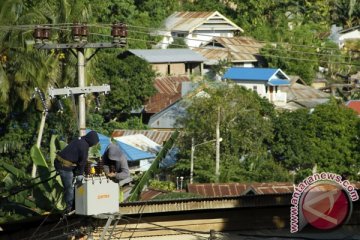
[[96, 195]]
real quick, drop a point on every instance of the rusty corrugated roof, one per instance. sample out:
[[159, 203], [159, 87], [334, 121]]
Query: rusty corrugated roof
[[168, 92], [157, 136], [354, 105], [238, 189], [298, 91], [235, 49], [188, 21]]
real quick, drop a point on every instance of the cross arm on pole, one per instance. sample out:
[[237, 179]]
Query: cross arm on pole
[[78, 90]]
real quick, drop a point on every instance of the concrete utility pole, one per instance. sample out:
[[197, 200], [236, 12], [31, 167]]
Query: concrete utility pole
[[193, 146], [217, 165], [81, 83], [80, 33], [41, 127]]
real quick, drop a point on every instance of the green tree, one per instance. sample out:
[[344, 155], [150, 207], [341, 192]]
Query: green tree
[[326, 138], [131, 81], [346, 13], [297, 55], [245, 129]]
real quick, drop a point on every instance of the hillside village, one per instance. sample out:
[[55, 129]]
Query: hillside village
[[225, 131]]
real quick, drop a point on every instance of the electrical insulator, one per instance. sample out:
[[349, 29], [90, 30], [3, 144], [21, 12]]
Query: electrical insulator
[[118, 31], [42, 98], [76, 31], [84, 31], [115, 30], [123, 30], [38, 34], [97, 101], [46, 33], [60, 106]]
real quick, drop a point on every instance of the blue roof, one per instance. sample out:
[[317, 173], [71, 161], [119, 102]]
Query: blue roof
[[132, 153], [252, 74], [278, 82]]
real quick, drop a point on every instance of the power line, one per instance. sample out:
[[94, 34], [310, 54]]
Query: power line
[[207, 35], [219, 49], [260, 55], [242, 45], [107, 25], [14, 192]]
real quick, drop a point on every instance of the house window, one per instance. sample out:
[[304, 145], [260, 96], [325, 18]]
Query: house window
[[168, 69], [181, 35], [255, 88], [266, 89], [276, 89]]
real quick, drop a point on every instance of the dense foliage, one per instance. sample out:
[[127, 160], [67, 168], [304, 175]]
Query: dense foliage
[[325, 139], [258, 144], [245, 129]]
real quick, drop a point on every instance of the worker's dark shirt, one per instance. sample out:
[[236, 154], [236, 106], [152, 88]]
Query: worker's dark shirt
[[77, 152]]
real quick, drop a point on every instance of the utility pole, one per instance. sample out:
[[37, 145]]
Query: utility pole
[[78, 47], [41, 126], [192, 160], [193, 146], [217, 164]]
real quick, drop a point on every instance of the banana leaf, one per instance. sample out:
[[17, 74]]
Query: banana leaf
[[53, 150], [37, 157], [13, 170]]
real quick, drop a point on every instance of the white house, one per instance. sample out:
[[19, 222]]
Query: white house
[[264, 81], [196, 28], [349, 34]]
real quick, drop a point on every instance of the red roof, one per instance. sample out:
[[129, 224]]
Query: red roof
[[354, 105], [168, 92]]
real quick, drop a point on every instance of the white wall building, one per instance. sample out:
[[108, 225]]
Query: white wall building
[[196, 28], [264, 81]]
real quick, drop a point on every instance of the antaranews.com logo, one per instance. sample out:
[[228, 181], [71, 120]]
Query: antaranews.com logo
[[323, 200]]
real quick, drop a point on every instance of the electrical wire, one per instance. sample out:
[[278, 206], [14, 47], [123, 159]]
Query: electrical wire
[[254, 54], [151, 29], [38, 228], [182, 231], [151, 32], [41, 236], [244, 52], [28, 187], [262, 55], [208, 35]]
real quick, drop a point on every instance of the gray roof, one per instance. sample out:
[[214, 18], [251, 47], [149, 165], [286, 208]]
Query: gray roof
[[168, 55]]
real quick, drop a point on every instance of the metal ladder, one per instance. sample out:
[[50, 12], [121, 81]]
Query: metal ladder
[[110, 218]]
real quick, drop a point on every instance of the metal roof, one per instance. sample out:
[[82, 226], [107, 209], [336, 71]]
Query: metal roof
[[168, 55], [278, 82], [141, 142], [254, 74], [190, 21], [168, 92], [354, 105], [131, 152], [301, 91], [238, 189], [235, 49], [157, 136]]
